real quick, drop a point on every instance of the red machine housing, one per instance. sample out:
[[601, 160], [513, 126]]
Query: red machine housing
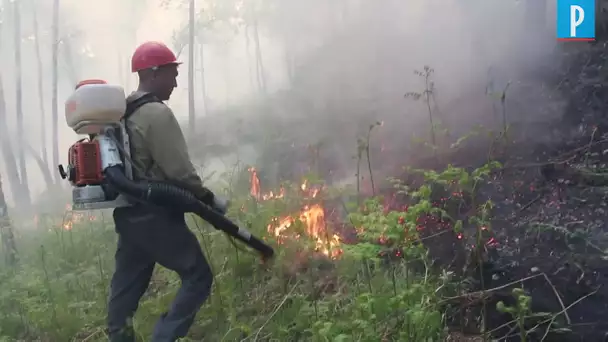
[[85, 163]]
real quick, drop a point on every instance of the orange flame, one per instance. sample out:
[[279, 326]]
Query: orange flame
[[313, 218], [73, 217], [312, 193], [255, 189], [255, 183]]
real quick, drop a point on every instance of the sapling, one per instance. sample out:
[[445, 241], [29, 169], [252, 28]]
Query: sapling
[[519, 311], [427, 93], [490, 91], [359, 156], [363, 147], [503, 105], [367, 154], [502, 97]]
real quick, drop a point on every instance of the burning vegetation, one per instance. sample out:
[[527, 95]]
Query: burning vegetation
[[311, 216], [72, 217]]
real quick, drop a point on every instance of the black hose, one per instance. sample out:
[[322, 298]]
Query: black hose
[[168, 195]]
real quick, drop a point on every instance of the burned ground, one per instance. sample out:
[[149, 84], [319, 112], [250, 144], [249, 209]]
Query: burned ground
[[548, 228], [549, 220]]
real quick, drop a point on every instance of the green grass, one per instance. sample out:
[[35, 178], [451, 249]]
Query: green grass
[[59, 290]]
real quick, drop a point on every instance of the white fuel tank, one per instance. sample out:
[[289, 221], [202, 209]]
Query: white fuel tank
[[93, 106]]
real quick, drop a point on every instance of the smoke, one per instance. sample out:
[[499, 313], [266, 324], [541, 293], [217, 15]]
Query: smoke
[[355, 60], [330, 68]]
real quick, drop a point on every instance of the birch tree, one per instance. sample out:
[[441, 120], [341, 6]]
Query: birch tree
[[10, 161], [21, 142], [55, 81]]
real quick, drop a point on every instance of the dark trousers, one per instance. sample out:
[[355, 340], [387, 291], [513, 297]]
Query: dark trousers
[[145, 237]]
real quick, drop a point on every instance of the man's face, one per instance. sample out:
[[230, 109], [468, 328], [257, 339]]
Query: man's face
[[165, 80]]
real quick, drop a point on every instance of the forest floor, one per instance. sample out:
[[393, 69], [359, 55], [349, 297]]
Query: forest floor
[[549, 231]]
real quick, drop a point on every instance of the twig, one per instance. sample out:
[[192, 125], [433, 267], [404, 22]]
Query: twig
[[529, 204], [435, 235], [548, 328], [478, 293], [526, 166], [559, 299], [554, 316], [489, 333], [558, 161], [563, 311], [94, 334], [255, 338], [567, 233]]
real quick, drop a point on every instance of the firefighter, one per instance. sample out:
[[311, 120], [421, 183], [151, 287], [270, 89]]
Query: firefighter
[[147, 235]]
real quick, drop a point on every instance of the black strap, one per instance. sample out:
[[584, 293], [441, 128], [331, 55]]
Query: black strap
[[134, 105]]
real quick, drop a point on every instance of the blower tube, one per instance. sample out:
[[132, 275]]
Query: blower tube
[[168, 195]]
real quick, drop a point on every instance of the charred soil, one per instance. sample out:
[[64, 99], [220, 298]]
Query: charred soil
[[549, 229]]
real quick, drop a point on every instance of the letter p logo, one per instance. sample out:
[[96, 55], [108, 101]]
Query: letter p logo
[[576, 20], [577, 16]]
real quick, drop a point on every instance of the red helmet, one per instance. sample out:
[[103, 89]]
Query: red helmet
[[150, 55], [91, 81]]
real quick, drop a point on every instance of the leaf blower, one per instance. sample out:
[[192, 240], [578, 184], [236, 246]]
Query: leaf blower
[[100, 168]]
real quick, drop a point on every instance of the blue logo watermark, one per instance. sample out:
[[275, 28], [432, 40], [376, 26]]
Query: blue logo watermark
[[576, 20]]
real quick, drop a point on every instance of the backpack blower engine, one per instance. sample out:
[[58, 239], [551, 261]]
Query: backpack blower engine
[[100, 171]]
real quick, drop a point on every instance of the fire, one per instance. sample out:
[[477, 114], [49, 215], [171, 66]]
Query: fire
[[313, 217], [272, 195], [312, 193], [255, 190], [255, 183], [71, 217]]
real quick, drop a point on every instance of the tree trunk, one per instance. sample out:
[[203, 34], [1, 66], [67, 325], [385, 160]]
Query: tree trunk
[[71, 67], [44, 169], [6, 232], [54, 106], [45, 157], [247, 51], [7, 150], [25, 189], [191, 61], [261, 73], [203, 83]]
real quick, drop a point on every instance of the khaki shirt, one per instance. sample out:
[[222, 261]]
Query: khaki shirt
[[158, 147]]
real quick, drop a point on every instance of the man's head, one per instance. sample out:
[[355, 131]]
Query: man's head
[[156, 66], [159, 80]]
